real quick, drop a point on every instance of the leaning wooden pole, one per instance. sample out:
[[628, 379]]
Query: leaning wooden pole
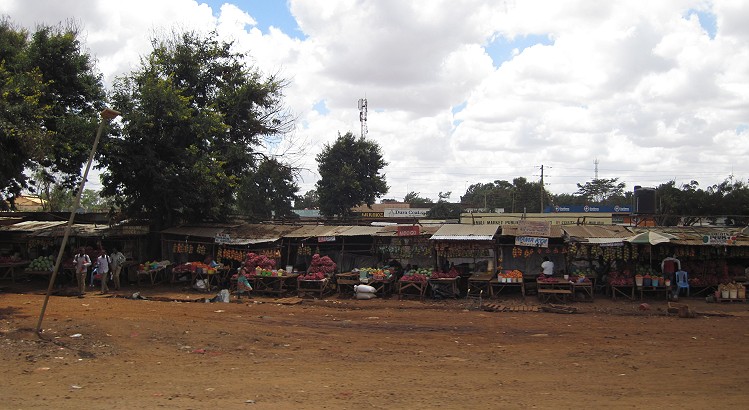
[[106, 114]]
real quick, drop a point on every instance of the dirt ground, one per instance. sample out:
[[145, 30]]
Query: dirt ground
[[107, 351]]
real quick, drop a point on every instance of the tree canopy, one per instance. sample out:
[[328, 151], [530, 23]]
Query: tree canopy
[[349, 175], [267, 192], [194, 116], [602, 190], [52, 96], [415, 200]]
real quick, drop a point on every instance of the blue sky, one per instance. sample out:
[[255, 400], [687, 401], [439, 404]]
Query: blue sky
[[267, 13]]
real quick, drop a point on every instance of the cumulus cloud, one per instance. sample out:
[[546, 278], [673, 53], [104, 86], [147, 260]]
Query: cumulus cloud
[[650, 89]]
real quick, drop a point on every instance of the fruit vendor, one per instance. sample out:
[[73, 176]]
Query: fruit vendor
[[669, 266], [547, 267]]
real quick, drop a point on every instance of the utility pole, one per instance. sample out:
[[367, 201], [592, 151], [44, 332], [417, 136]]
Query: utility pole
[[542, 188]]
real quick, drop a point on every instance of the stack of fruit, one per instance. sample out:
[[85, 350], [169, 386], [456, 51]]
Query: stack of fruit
[[320, 268], [42, 263]]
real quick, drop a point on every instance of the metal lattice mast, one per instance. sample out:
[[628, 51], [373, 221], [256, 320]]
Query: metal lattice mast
[[363, 116]]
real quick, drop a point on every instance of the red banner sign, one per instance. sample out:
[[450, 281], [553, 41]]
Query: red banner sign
[[409, 230]]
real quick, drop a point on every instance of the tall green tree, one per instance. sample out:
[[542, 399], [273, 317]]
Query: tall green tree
[[349, 175], [51, 97], [310, 200], [268, 191], [415, 200], [601, 190], [444, 209], [194, 119]]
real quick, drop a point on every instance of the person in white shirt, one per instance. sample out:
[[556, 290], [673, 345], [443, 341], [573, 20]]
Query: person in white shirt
[[102, 263], [548, 267], [82, 262], [118, 259]]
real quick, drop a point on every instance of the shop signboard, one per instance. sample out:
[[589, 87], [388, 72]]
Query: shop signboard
[[372, 214], [589, 208], [406, 212], [532, 241], [326, 239], [534, 228], [222, 238], [409, 230], [723, 238]]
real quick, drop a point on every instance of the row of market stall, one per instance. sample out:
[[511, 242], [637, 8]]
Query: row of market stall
[[606, 254]]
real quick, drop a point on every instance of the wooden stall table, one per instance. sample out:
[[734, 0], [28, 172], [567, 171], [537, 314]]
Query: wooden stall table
[[383, 286], [656, 290], [556, 289], [12, 270], [583, 288], [497, 286], [316, 288], [480, 284], [345, 283], [274, 285], [444, 287], [411, 288], [152, 274], [627, 291]]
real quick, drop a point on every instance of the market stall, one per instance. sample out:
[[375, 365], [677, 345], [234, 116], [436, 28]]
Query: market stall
[[407, 244], [523, 247], [600, 253], [467, 248], [317, 281]]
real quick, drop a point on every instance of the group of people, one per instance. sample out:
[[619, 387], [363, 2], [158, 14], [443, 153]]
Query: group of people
[[106, 267]]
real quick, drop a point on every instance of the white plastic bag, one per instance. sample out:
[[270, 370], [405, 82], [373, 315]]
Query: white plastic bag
[[364, 289], [224, 296], [200, 284], [365, 296]]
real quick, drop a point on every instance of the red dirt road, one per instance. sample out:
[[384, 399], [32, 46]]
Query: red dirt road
[[382, 354]]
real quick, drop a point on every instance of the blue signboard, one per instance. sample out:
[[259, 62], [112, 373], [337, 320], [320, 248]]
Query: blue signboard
[[611, 209]]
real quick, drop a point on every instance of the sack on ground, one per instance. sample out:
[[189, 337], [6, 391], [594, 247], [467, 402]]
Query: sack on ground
[[224, 296], [201, 284], [364, 289], [365, 296]]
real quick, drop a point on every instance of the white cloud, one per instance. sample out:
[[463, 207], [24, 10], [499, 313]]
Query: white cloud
[[639, 85]]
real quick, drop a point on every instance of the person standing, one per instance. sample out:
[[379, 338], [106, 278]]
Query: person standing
[[669, 266], [82, 262], [548, 267], [118, 259], [102, 263]]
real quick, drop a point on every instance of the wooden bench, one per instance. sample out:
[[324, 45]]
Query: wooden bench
[[546, 295]]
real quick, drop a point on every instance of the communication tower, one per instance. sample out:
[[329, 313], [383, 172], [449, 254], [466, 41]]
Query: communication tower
[[363, 116]]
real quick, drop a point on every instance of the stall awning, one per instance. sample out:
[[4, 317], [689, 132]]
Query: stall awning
[[312, 231], [250, 234], [31, 226], [202, 231], [460, 232], [424, 229], [606, 234]]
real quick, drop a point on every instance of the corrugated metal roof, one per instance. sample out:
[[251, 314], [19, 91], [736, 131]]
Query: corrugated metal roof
[[203, 231], [596, 233], [461, 232], [248, 234], [392, 230], [361, 231], [31, 226], [79, 230], [692, 235], [512, 230], [310, 231]]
